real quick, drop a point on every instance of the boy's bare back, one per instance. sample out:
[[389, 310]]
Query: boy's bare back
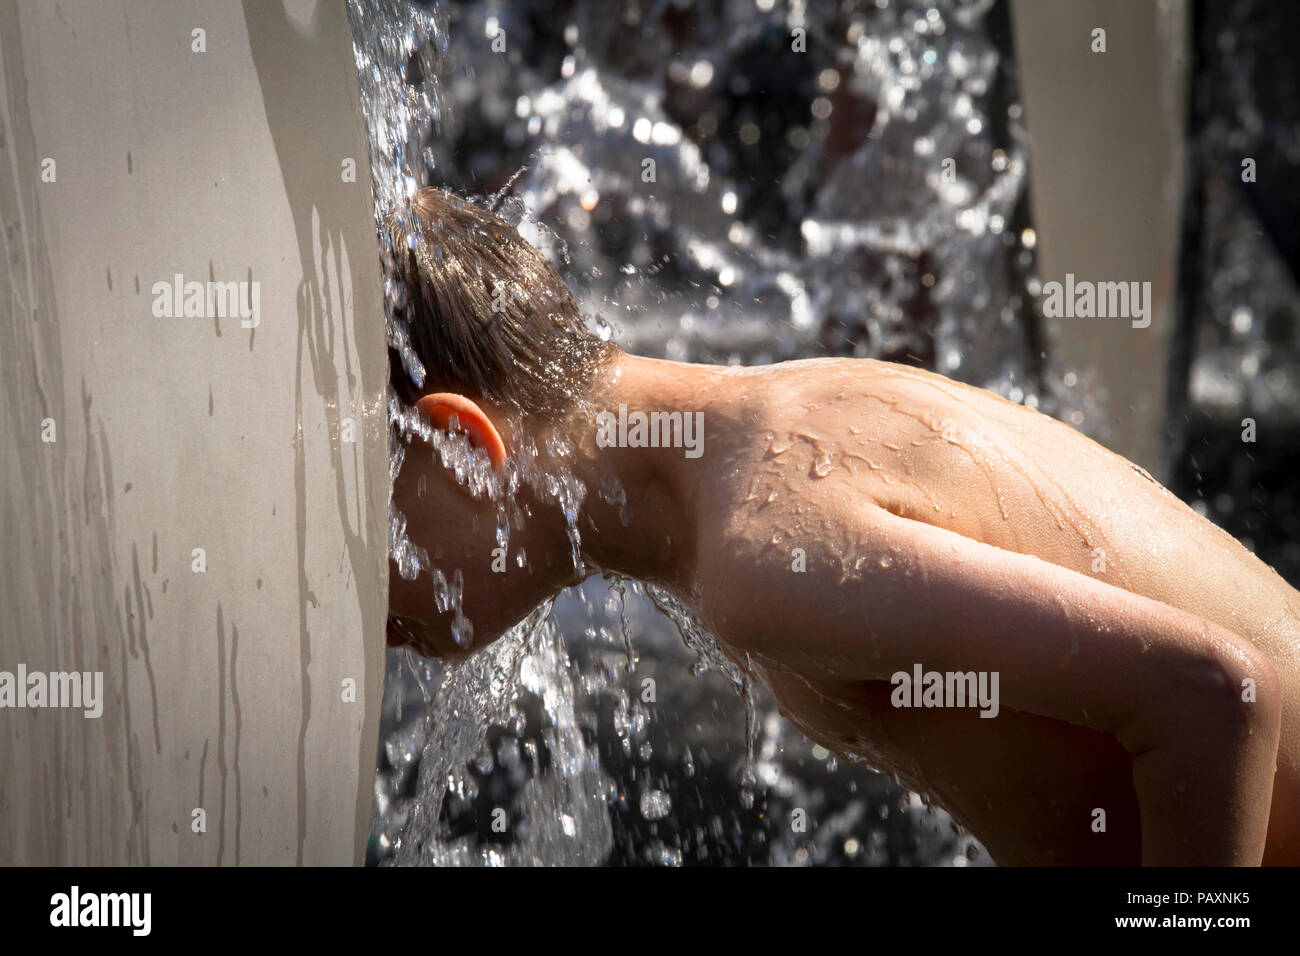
[[837, 465]]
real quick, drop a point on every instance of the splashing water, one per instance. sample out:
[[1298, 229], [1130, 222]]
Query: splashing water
[[563, 818], [826, 221]]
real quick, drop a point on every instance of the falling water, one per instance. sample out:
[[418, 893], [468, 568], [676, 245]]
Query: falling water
[[709, 194]]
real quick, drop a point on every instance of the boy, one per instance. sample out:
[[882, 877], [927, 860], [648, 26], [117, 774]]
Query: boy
[[841, 525]]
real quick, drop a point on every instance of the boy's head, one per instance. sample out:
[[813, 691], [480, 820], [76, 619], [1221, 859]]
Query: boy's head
[[487, 314], [506, 353]]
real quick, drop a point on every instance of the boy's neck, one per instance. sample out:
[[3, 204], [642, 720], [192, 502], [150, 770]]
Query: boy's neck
[[662, 485]]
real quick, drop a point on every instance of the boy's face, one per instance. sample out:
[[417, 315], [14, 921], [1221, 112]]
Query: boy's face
[[458, 531]]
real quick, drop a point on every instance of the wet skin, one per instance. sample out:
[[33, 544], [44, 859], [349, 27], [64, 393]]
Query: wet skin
[[937, 524]]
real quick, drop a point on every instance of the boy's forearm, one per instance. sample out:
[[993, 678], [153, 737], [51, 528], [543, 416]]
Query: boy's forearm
[[1204, 759], [1166, 684]]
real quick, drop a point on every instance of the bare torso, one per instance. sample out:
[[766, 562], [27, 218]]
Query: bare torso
[[860, 434]]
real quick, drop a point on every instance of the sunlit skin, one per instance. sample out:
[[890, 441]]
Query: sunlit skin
[[943, 526]]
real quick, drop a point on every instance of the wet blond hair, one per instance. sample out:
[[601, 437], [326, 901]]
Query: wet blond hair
[[487, 314]]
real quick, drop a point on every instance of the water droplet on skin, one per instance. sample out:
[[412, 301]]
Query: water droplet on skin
[[886, 561]]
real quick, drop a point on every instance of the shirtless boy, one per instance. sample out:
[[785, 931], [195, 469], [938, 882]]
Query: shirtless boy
[[846, 521]]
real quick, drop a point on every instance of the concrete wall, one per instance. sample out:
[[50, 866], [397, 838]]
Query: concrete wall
[[225, 689], [1106, 186]]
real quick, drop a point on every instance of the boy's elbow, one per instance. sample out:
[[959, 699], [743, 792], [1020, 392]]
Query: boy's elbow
[[1221, 688], [1249, 690]]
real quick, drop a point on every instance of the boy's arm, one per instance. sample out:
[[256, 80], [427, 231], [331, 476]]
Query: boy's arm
[[1167, 684]]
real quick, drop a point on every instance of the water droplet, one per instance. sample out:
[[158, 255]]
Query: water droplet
[[655, 805]]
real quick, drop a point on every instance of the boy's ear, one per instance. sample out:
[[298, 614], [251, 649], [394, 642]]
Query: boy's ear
[[440, 406]]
